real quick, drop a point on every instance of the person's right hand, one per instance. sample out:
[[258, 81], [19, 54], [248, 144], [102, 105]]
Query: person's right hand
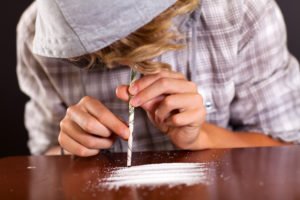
[[89, 127]]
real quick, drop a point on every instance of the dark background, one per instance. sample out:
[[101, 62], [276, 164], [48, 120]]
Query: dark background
[[14, 136]]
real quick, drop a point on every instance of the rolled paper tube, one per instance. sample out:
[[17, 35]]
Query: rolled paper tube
[[133, 77]]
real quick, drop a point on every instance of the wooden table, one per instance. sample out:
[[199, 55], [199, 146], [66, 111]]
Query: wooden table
[[253, 173]]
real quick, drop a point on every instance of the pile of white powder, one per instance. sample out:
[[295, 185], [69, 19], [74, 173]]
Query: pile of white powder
[[169, 174]]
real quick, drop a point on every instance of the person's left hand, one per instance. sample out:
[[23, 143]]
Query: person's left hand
[[172, 103]]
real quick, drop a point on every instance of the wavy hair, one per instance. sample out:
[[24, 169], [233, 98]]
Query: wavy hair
[[145, 44]]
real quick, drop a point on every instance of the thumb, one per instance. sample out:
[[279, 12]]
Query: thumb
[[122, 92]]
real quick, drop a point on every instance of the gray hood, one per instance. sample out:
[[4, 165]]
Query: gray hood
[[70, 28]]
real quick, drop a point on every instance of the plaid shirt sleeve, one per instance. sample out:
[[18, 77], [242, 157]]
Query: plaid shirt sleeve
[[44, 110], [268, 90]]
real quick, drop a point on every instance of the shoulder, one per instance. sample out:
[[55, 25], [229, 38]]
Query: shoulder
[[26, 24], [219, 16]]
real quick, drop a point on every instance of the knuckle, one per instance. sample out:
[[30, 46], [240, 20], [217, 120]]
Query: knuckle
[[71, 110], [107, 144], [88, 125], [181, 76], [62, 123], [199, 117], [202, 116], [204, 113], [193, 86], [199, 99], [101, 116], [85, 100], [176, 120], [60, 139], [167, 73], [178, 140], [90, 143], [168, 102], [106, 133], [162, 74], [119, 129], [81, 151], [163, 82]]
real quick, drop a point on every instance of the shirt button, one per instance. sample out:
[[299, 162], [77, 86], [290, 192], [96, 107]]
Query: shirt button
[[208, 105]]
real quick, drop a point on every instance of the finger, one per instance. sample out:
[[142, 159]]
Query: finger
[[181, 102], [85, 139], [153, 103], [87, 122], [122, 92], [192, 118], [74, 147], [145, 81], [106, 117], [163, 86]]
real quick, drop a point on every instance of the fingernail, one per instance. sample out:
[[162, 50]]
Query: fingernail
[[126, 134], [117, 91], [133, 89], [157, 116], [164, 128], [135, 101]]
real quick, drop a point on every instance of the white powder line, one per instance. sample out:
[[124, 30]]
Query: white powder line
[[156, 182], [162, 166], [171, 169], [180, 172], [169, 174], [150, 176]]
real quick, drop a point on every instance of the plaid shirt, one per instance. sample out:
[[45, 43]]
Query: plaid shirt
[[236, 53]]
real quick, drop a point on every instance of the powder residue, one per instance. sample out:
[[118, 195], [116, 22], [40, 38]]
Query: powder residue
[[169, 174]]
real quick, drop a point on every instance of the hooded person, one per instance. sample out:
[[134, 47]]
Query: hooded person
[[210, 71]]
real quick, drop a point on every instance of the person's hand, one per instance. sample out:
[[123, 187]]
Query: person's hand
[[172, 103], [88, 127]]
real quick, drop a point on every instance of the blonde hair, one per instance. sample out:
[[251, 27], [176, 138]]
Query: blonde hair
[[142, 46]]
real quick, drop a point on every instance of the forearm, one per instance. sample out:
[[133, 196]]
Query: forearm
[[213, 136]]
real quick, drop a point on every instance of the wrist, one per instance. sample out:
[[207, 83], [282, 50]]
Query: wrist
[[201, 142], [217, 137]]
